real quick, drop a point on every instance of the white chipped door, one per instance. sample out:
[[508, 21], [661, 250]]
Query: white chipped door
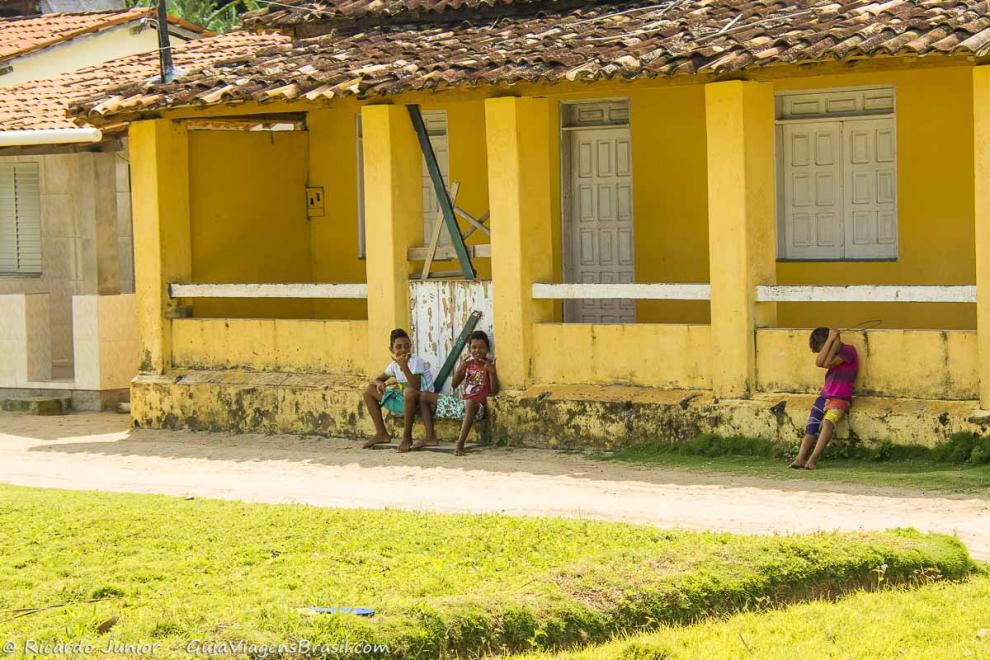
[[813, 190], [871, 189], [599, 244], [436, 127]]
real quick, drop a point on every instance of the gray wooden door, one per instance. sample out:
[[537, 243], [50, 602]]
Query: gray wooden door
[[598, 245]]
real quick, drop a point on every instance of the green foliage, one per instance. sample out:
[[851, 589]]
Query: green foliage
[[958, 449], [216, 16], [464, 585], [940, 621]]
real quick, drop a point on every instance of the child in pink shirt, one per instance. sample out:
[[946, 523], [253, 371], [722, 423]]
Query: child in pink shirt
[[842, 363], [477, 373]]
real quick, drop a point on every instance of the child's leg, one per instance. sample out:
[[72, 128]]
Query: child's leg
[[409, 407], [823, 440], [807, 442], [470, 411], [811, 432], [426, 399], [373, 402]]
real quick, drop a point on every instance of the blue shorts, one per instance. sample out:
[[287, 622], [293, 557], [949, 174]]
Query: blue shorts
[[824, 409]]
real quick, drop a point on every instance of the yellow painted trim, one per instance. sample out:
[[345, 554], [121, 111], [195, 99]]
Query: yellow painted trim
[[159, 160], [742, 226]]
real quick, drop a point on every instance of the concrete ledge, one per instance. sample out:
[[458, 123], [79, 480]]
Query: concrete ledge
[[557, 416], [261, 402], [608, 417], [80, 399]]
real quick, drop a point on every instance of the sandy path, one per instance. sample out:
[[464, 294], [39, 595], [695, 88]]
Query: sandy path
[[98, 451]]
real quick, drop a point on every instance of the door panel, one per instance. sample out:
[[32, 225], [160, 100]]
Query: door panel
[[871, 231], [812, 193], [599, 243]]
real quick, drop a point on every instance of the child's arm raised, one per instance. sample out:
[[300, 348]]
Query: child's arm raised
[[459, 373], [828, 357], [414, 380]]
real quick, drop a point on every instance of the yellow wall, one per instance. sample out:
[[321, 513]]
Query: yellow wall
[[935, 196], [651, 355], [314, 346], [248, 217], [923, 364], [333, 166]]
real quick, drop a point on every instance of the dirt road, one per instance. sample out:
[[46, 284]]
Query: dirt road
[[97, 451]]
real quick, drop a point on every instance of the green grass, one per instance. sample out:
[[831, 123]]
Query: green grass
[[948, 620], [957, 467], [177, 570]]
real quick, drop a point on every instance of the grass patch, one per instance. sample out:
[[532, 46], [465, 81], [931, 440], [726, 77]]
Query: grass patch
[[175, 570], [949, 620], [960, 465]]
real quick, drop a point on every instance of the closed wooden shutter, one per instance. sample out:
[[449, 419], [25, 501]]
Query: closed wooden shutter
[[20, 218], [871, 189], [812, 190]]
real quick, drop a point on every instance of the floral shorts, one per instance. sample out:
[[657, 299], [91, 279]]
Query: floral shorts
[[450, 406]]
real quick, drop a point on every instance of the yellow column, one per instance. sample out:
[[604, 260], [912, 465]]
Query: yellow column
[[518, 142], [981, 145], [741, 227], [393, 210], [159, 155]]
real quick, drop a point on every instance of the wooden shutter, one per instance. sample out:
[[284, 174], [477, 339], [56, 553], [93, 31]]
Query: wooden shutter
[[20, 218], [436, 129], [812, 199], [871, 189]]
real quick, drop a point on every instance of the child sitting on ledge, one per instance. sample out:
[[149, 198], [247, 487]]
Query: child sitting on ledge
[[842, 363], [477, 372]]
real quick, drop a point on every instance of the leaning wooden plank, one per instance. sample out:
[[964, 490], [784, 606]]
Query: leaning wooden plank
[[437, 228], [446, 252], [441, 190], [299, 290], [477, 223]]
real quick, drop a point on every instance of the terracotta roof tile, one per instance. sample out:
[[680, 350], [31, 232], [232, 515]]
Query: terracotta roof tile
[[552, 41], [41, 104], [24, 34]]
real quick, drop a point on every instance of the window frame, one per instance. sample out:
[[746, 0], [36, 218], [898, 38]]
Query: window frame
[[875, 102]]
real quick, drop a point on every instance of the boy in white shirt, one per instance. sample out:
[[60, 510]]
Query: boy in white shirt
[[405, 376]]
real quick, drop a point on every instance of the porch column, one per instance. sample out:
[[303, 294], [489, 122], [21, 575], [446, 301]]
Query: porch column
[[741, 227], [159, 155], [393, 209], [518, 145], [981, 146]]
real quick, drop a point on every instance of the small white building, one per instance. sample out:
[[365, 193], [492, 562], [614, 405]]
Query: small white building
[[66, 258]]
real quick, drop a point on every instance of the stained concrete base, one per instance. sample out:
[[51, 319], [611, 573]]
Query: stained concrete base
[[556, 416], [97, 400]]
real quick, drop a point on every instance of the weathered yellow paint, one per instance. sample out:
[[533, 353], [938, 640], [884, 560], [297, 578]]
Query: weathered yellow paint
[[646, 354], [335, 246], [981, 145], [248, 217], [588, 416], [281, 345], [160, 210], [519, 188], [739, 117], [393, 215], [921, 364]]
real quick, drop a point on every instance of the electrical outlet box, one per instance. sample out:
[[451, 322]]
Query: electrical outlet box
[[314, 202]]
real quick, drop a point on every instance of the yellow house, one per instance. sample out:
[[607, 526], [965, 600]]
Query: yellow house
[[677, 192]]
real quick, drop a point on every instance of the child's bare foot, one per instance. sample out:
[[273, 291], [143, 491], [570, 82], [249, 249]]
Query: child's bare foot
[[797, 466], [405, 445], [809, 466], [377, 440], [459, 451], [430, 442]]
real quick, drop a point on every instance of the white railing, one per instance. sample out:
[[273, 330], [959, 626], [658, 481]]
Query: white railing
[[543, 291], [300, 290], [867, 293]]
